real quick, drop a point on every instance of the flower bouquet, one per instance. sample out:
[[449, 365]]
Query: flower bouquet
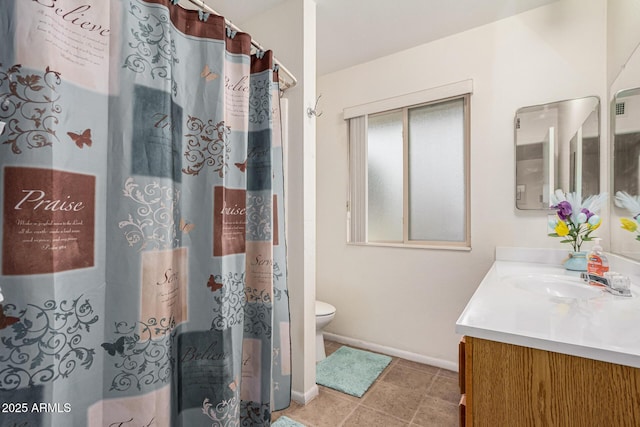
[[631, 204], [575, 219]]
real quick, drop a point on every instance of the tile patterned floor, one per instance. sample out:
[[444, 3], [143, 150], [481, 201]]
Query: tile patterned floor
[[405, 394]]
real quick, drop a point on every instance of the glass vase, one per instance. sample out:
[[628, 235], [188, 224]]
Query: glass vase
[[577, 261]]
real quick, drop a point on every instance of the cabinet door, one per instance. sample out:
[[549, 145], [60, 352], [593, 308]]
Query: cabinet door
[[522, 386]]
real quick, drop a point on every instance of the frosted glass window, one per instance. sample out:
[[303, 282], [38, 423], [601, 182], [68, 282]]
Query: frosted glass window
[[384, 177], [436, 172], [409, 175]]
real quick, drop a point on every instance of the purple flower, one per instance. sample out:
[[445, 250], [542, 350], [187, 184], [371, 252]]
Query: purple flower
[[587, 212], [564, 209]]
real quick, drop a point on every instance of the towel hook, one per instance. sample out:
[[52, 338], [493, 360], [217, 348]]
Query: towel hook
[[314, 111]]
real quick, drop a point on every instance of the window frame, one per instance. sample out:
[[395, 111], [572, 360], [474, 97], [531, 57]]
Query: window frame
[[360, 219]]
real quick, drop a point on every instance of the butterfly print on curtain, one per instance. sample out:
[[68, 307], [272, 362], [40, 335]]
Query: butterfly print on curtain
[[81, 139]]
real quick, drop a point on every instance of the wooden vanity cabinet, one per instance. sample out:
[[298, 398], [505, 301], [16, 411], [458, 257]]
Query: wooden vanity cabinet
[[510, 385]]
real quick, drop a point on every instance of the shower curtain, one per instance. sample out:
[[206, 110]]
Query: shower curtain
[[143, 251]]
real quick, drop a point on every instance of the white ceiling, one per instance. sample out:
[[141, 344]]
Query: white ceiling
[[351, 32]]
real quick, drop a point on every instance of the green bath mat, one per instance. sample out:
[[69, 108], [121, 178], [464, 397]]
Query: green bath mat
[[286, 422], [350, 371]]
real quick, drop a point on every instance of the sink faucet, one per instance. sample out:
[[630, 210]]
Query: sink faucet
[[614, 284]]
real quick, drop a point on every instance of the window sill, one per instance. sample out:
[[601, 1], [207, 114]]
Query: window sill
[[416, 246]]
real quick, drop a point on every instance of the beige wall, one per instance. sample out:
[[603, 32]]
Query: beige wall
[[623, 34], [409, 299]]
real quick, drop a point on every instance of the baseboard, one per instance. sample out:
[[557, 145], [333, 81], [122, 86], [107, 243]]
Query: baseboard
[[305, 397], [389, 351]]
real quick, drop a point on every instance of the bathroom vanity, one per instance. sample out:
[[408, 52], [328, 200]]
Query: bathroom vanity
[[541, 347]]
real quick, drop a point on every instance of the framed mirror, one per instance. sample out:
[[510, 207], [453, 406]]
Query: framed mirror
[[557, 145]]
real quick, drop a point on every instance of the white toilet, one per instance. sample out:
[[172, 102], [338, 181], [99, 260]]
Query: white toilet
[[325, 313]]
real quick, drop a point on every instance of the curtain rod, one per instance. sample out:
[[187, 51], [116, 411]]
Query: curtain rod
[[282, 69]]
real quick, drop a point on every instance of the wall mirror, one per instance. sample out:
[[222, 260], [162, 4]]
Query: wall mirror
[[625, 125], [626, 141], [623, 78], [557, 146]]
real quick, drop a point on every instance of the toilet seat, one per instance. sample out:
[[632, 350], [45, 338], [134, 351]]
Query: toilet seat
[[324, 309]]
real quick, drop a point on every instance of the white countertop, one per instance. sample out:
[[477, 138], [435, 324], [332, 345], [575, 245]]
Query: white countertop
[[602, 327]]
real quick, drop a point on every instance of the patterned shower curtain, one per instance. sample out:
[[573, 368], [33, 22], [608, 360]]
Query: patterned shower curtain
[[143, 251]]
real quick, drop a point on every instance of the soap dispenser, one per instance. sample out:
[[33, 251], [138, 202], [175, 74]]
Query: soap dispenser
[[597, 262]]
